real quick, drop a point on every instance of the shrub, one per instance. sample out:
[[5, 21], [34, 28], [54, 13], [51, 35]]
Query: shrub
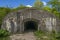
[[58, 36], [4, 33], [39, 33]]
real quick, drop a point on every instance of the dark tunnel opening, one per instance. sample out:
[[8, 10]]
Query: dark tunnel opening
[[30, 26]]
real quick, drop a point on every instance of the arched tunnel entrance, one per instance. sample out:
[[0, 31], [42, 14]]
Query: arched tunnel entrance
[[30, 25]]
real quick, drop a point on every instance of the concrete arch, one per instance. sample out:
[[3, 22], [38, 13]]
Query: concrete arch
[[28, 22]]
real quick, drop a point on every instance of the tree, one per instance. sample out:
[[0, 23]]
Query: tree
[[47, 8], [38, 4], [55, 4], [55, 7]]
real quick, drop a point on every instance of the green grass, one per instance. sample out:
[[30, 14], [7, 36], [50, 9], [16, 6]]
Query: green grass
[[5, 38], [47, 35]]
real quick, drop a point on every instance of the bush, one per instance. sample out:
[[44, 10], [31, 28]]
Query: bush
[[4, 33], [58, 36], [39, 33]]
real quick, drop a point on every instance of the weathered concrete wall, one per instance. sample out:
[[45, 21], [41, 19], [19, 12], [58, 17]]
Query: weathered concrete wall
[[14, 22]]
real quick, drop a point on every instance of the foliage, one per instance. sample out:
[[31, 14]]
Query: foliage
[[39, 33], [3, 12], [47, 35], [19, 7], [58, 36], [55, 7], [4, 33], [57, 14], [38, 4], [55, 4], [47, 8], [5, 38]]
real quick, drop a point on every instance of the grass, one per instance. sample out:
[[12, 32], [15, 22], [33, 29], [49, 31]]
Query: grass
[[47, 35], [5, 38]]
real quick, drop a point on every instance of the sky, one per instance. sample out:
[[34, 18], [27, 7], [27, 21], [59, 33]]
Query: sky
[[16, 3]]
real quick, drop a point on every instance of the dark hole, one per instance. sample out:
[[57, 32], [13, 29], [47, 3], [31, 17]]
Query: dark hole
[[30, 26]]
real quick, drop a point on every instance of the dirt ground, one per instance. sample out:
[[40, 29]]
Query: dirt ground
[[25, 36]]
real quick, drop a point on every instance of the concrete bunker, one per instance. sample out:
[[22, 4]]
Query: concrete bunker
[[30, 19]]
